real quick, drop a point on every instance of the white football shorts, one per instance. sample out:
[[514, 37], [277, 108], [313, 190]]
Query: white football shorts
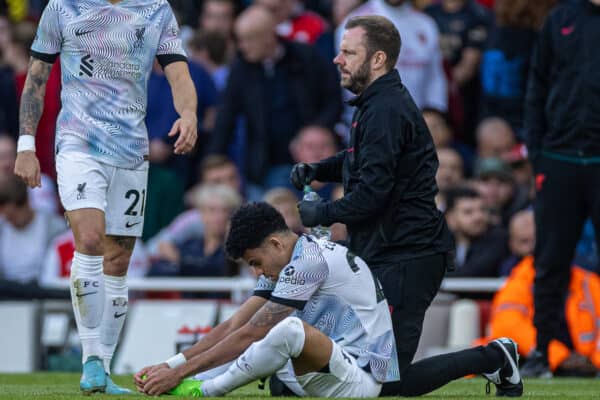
[[84, 182]]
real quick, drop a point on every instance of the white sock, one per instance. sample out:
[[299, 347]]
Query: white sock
[[87, 297], [263, 358], [115, 312]]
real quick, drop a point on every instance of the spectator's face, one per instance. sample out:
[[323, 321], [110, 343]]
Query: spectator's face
[[5, 35], [10, 212], [439, 129], [496, 192], [313, 145], [352, 61], [256, 41], [281, 9], [8, 155], [217, 16], [522, 235], [596, 2], [215, 218], [450, 171], [223, 175], [468, 218], [494, 140], [341, 8], [290, 214]]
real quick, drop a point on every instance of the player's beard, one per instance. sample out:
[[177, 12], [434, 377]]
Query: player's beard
[[358, 81]]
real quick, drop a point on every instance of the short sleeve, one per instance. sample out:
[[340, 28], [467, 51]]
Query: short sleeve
[[48, 40], [170, 47], [264, 287], [301, 279]]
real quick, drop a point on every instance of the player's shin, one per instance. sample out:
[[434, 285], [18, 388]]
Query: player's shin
[[261, 359], [115, 312], [87, 296]]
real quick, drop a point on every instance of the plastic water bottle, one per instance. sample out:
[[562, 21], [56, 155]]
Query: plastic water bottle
[[320, 232]]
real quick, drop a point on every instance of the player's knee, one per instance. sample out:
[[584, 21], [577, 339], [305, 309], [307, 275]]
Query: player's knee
[[90, 241], [288, 336], [116, 263]]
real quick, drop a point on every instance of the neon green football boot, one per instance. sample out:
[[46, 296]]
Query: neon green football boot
[[188, 387]]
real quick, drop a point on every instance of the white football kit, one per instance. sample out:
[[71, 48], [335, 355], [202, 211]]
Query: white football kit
[[334, 291], [106, 54]]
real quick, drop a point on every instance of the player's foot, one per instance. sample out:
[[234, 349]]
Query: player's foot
[[507, 378], [93, 378], [188, 387], [536, 366], [113, 388]]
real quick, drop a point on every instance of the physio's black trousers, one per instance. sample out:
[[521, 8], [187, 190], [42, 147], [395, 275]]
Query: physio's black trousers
[[409, 287], [567, 193]]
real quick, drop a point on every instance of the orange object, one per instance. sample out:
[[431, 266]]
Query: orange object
[[512, 314]]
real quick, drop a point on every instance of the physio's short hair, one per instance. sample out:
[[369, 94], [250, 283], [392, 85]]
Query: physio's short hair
[[250, 226], [380, 35], [13, 190]]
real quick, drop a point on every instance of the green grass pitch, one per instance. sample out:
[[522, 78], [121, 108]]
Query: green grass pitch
[[54, 386]]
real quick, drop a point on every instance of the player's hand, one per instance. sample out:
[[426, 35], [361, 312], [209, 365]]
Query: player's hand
[[312, 213], [141, 377], [187, 128], [27, 167], [303, 174], [161, 381]]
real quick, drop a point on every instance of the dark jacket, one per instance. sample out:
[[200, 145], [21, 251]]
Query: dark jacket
[[485, 255], [389, 179], [314, 90], [562, 113]]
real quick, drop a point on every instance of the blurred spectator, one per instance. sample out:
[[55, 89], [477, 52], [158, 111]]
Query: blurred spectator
[[463, 26], [24, 233], [450, 174], [57, 263], [521, 240], [423, 4], [505, 61], [5, 33], [218, 17], [214, 170], [9, 114], [294, 22], [18, 58], [42, 198], [501, 195], [522, 170], [420, 61], [161, 115], [495, 138], [278, 87], [312, 144], [164, 196], [209, 49], [203, 256], [339, 231], [341, 8], [480, 248], [443, 136], [286, 202]]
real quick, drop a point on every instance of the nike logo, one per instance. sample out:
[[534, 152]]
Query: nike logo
[[85, 294], [515, 378], [567, 30], [130, 225], [79, 32], [119, 315]]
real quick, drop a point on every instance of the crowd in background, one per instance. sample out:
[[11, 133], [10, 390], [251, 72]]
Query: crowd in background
[[269, 97]]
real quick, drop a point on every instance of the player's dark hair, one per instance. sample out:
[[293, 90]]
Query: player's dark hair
[[13, 191], [250, 226], [454, 195], [380, 35]]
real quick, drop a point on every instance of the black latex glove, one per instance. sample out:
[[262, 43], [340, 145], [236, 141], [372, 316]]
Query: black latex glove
[[303, 174], [312, 213]]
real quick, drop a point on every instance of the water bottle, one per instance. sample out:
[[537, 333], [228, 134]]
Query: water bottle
[[320, 232]]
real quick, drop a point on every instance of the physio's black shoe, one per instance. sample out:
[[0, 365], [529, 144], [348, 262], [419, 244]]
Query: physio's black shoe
[[507, 378], [536, 366]]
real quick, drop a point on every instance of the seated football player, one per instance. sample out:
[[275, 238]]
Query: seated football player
[[318, 316]]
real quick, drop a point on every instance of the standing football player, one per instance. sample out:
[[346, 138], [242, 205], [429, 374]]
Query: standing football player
[[106, 50]]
